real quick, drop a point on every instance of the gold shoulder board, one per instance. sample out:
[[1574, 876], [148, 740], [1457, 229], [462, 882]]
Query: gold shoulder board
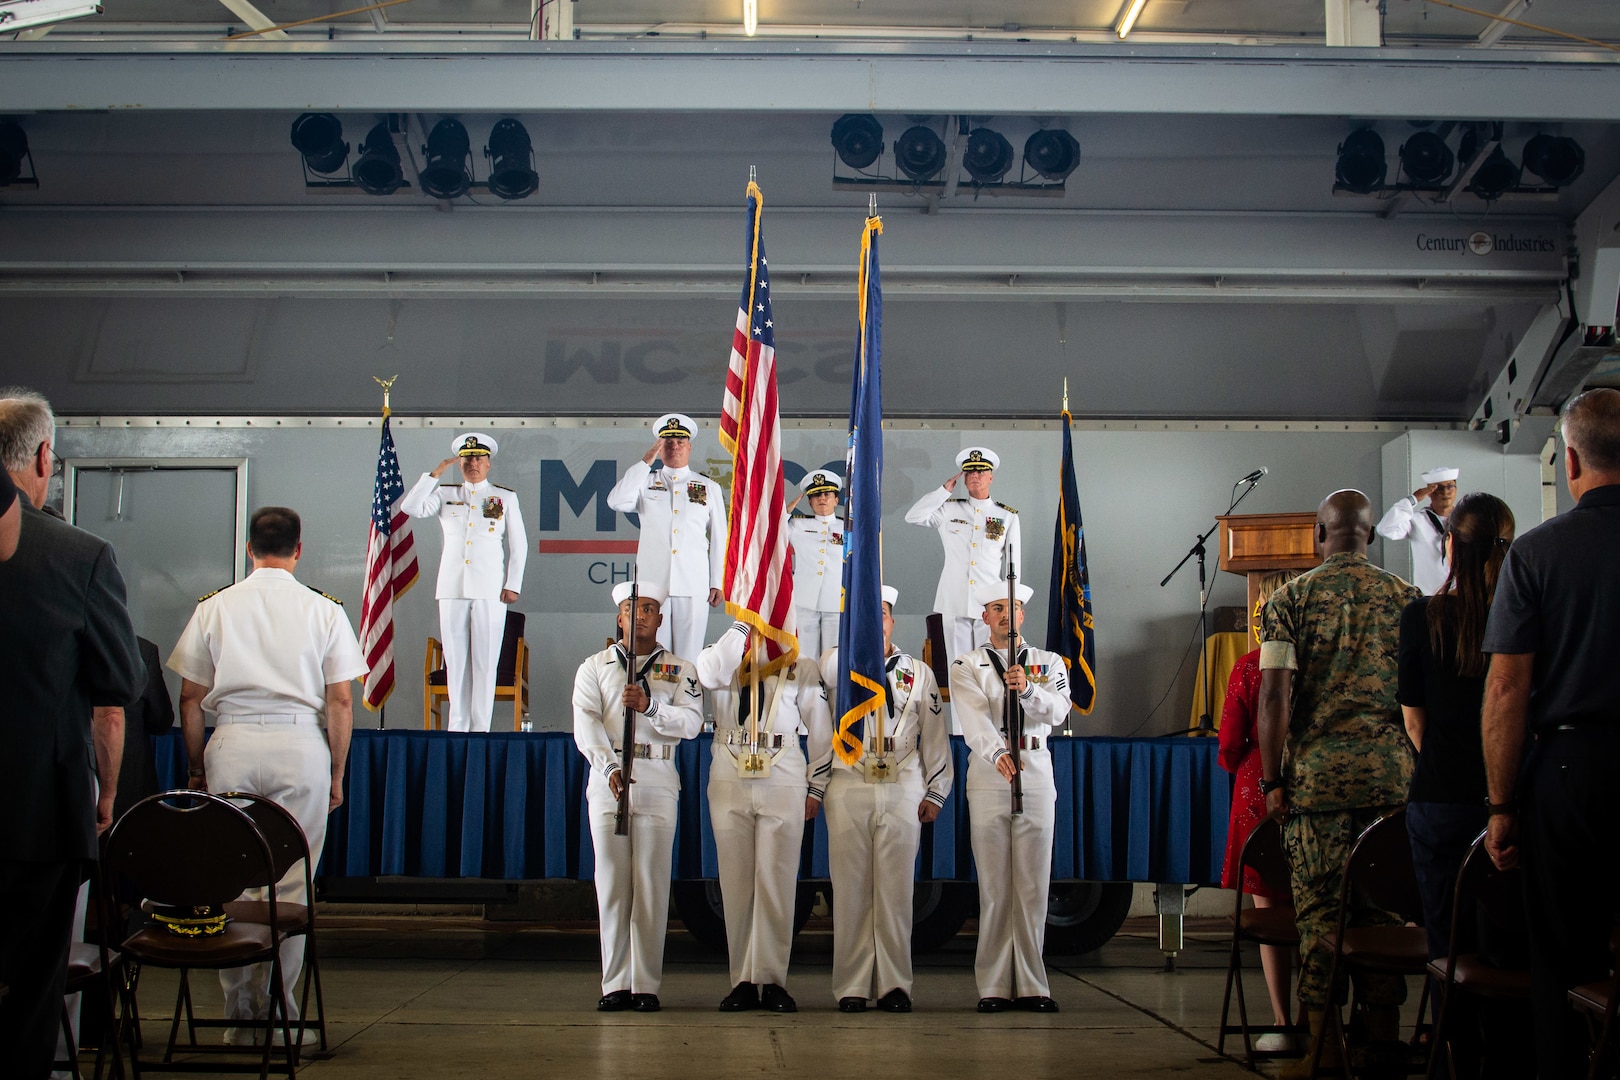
[[1007, 508], [328, 595]]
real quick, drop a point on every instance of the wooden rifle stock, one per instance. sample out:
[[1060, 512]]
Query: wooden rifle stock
[[934, 655], [627, 760], [1012, 710]]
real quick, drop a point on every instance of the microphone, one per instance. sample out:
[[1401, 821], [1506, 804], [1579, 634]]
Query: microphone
[[1254, 477]]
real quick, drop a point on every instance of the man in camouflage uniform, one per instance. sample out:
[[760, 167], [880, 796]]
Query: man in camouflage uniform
[[1327, 689]]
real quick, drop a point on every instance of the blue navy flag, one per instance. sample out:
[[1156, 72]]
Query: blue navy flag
[[1069, 629], [862, 688]]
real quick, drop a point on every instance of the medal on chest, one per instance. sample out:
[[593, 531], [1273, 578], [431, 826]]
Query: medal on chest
[[494, 508], [697, 493], [995, 528], [670, 673]]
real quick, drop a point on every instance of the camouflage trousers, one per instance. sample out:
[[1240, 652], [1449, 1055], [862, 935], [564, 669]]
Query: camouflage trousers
[[1317, 845]]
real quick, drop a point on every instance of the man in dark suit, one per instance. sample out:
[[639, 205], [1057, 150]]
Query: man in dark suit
[[151, 714], [66, 648]]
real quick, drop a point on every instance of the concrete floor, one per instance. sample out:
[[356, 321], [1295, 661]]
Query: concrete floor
[[449, 1000]]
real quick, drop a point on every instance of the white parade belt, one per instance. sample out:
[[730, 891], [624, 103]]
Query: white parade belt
[[884, 765], [754, 760], [662, 752]]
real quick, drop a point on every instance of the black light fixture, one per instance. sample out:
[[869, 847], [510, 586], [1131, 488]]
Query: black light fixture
[[858, 138], [988, 156], [13, 150], [1495, 175], [319, 138], [377, 170], [511, 161], [1557, 159], [1426, 159], [919, 153], [447, 173], [1361, 166], [1053, 154]]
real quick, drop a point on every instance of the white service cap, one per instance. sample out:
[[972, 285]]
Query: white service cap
[[989, 593], [1440, 474], [674, 425], [648, 591], [820, 480], [977, 459], [474, 444], [891, 595]]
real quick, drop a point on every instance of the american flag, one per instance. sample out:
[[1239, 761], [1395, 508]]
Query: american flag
[[390, 570], [759, 586]]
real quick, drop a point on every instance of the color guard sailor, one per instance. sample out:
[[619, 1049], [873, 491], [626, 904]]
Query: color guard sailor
[[633, 871], [683, 532], [977, 533], [1012, 852], [818, 564], [480, 572]]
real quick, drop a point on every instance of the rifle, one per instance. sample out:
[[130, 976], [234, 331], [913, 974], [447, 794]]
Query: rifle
[[1012, 710], [621, 817]]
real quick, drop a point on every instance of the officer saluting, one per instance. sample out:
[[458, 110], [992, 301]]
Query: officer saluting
[[683, 532], [480, 572], [975, 532], [818, 564], [632, 871]]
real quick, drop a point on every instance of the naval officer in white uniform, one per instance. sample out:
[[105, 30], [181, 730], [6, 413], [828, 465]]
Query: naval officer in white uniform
[[757, 805], [876, 809], [1013, 853], [1425, 526], [977, 532], [480, 572], [683, 532], [632, 871], [818, 564], [271, 659]]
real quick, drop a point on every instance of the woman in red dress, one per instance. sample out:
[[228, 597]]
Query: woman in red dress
[[1240, 754]]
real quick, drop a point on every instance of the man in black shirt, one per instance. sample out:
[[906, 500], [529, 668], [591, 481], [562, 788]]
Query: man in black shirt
[[1554, 634]]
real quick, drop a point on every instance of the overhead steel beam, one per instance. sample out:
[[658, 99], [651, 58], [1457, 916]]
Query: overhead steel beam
[[255, 19], [930, 78]]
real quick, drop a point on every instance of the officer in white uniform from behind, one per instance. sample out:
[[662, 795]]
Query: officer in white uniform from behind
[[818, 564], [977, 533], [876, 809], [683, 532], [1013, 853], [632, 871], [271, 660], [758, 807], [480, 572], [1425, 526]]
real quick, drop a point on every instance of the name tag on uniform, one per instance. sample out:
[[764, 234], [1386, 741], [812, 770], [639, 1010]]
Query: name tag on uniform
[[494, 508], [995, 528], [454, 502], [666, 673], [697, 492]]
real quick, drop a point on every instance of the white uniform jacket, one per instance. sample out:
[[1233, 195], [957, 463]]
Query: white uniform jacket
[[674, 713], [1406, 520], [977, 691], [818, 561], [717, 670], [974, 533], [913, 718], [683, 527], [476, 519]]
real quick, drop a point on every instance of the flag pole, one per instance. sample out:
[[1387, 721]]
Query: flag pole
[[1065, 393], [387, 411]]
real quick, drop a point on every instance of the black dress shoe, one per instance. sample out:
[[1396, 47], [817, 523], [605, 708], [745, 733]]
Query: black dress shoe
[[1036, 1004], [644, 1002], [618, 1001], [776, 999], [743, 996], [896, 1000], [994, 1004], [851, 1004]]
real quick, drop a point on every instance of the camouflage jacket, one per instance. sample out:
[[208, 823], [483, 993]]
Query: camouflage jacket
[[1337, 628]]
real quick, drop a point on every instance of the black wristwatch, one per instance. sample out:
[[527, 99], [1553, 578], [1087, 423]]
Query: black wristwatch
[[1497, 808], [1268, 786]]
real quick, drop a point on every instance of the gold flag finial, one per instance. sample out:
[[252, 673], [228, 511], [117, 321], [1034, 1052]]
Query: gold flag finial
[[387, 385], [1065, 393]]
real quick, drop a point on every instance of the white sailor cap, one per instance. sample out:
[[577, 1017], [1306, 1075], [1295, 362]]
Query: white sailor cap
[[891, 596], [474, 444], [821, 481], [977, 459], [648, 591], [1439, 474], [675, 425], [990, 592]]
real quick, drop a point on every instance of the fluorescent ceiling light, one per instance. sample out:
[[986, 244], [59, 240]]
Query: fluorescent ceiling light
[[1127, 18], [21, 14], [750, 17]]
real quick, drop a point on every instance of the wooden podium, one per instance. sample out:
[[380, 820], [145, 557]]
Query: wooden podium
[[1256, 544]]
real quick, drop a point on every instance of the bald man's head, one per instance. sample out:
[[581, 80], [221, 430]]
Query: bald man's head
[[1344, 522]]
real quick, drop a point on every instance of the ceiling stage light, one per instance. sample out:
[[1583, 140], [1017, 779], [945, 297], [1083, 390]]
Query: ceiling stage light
[[1557, 159], [1361, 167], [319, 138], [511, 161], [447, 172], [1494, 176], [858, 138], [377, 170], [1053, 154], [919, 153], [21, 14], [1426, 159], [988, 156], [13, 149]]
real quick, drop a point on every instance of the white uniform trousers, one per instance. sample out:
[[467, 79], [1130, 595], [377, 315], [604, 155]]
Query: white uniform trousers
[[872, 837], [472, 631], [818, 631], [290, 764], [963, 635], [632, 875], [1013, 856], [758, 831], [685, 625]]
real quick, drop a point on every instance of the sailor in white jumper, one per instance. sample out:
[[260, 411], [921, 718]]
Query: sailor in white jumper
[[758, 807], [683, 532], [480, 572], [818, 564], [1013, 853], [632, 871], [977, 533], [876, 809], [1425, 526]]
